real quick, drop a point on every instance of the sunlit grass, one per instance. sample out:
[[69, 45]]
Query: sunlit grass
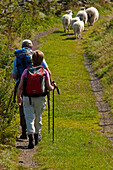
[[100, 51], [79, 143]]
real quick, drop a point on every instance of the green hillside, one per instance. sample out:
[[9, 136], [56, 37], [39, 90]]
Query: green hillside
[[79, 143]]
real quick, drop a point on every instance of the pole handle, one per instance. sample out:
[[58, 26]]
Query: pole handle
[[53, 82]]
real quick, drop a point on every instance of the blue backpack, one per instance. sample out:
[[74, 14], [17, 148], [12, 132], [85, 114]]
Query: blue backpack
[[23, 60]]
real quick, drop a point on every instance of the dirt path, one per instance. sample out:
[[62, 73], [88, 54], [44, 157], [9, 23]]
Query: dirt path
[[106, 122], [25, 158], [40, 34]]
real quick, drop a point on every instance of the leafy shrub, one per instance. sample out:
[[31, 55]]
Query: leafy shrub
[[17, 23]]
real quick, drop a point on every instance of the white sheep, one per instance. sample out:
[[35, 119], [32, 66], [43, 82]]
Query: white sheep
[[92, 14], [66, 20], [74, 20], [82, 15], [78, 27]]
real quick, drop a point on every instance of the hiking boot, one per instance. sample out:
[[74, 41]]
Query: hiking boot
[[31, 144], [23, 136], [36, 138]]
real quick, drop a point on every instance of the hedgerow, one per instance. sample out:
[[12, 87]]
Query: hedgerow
[[17, 23]]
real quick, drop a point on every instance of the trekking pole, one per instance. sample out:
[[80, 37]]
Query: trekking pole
[[53, 116], [48, 97], [53, 107]]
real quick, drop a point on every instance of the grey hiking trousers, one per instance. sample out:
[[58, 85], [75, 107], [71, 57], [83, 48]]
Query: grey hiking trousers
[[33, 113]]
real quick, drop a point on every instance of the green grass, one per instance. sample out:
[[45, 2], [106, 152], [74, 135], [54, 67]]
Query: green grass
[[8, 157], [99, 46], [79, 143]]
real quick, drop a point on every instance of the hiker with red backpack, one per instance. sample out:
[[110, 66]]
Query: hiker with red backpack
[[21, 62], [35, 82]]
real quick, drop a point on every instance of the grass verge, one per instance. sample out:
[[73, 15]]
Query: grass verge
[[79, 143]]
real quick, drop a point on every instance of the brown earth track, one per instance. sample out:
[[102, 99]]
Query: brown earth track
[[25, 158], [106, 122], [40, 34]]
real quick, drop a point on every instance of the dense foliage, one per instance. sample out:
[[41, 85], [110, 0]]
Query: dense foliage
[[17, 23]]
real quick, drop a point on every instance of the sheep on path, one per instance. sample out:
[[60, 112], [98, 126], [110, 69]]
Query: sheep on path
[[78, 27], [82, 15], [92, 14], [74, 20], [66, 20]]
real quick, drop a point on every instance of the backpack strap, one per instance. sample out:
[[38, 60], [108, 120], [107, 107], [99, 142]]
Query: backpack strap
[[23, 60]]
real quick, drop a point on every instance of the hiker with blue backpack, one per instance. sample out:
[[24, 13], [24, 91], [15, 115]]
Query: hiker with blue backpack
[[22, 60], [34, 83]]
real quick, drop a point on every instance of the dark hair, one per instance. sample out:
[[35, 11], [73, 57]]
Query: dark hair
[[37, 57]]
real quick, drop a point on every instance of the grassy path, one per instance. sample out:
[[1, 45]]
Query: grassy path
[[79, 143]]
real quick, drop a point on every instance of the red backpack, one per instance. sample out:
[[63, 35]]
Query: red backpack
[[34, 84]]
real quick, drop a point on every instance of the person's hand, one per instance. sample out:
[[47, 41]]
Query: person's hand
[[19, 100], [53, 84]]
